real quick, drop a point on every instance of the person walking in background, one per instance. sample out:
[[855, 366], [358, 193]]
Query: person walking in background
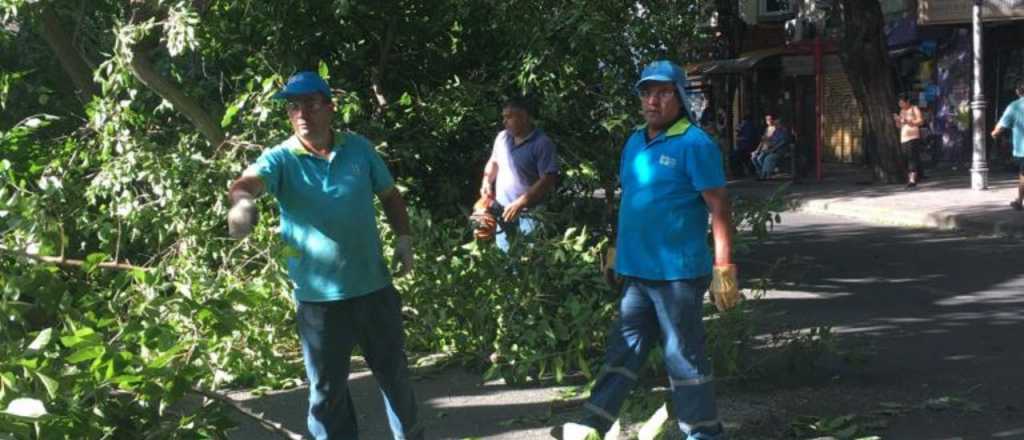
[[325, 182], [522, 169], [909, 121], [1013, 119], [672, 178]]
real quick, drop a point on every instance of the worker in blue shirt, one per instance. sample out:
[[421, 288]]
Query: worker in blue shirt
[[672, 177], [1013, 119], [325, 182]]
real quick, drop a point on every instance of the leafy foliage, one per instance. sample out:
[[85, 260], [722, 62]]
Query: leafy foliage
[[119, 290]]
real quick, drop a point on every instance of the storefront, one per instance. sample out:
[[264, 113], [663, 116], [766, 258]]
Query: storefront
[[945, 71]]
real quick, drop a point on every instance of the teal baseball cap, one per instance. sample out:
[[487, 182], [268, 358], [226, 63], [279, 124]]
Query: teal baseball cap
[[304, 83]]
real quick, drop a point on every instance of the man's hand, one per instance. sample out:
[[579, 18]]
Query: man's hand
[[242, 217], [608, 269], [513, 210], [402, 259], [724, 287]]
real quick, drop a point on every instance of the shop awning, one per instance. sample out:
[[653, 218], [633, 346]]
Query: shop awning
[[740, 64]]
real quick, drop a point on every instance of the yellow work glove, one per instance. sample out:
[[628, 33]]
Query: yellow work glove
[[724, 287]]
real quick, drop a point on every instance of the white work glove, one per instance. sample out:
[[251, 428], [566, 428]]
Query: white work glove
[[242, 217], [402, 259]]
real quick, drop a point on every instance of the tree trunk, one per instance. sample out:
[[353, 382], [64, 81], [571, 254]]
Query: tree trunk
[[143, 70], [377, 75], [207, 125], [864, 55], [72, 62]]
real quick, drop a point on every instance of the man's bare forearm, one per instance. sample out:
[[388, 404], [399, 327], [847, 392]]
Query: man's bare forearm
[[395, 211], [245, 187], [540, 188], [721, 224]]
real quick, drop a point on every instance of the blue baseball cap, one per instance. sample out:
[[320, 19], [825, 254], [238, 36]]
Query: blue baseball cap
[[303, 83], [663, 71], [667, 71]]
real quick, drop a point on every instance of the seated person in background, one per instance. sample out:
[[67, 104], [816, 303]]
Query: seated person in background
[[774, 143], [746, 142]]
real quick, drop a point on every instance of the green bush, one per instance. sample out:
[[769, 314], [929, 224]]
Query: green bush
[[539, 311]]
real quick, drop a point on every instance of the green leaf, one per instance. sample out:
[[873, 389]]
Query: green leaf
[[229, 115], [323, 71], [80, 335], [50, 384], [584, 367], [85, 354], [126, 381], [165, 358], [405, 100], [41, 340], [93, 260]]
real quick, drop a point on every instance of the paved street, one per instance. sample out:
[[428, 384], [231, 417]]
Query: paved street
[[937, 315], [943, 314]]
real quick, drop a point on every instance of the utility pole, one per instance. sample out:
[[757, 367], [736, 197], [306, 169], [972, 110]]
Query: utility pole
[[979, 163]]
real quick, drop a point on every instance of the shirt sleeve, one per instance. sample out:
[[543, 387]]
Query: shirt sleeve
[[547, 157], [1006, 121], [704, 163], [269, 167], [498, 140], [380, 176]]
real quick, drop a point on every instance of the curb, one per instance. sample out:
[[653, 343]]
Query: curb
[[939, 220]]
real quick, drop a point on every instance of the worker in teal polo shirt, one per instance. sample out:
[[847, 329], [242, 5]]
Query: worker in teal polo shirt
[[1013, 119], [325, 182], [672, 177]]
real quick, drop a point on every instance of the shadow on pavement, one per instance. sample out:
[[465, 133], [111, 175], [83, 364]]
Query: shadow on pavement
[[453, 405], [941, 313]]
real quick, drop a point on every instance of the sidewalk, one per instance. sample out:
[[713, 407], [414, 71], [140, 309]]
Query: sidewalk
[[943, 201]]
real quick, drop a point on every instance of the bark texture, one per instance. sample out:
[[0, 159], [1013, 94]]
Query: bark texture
[[70, 59], [200, 118], [864, 54]]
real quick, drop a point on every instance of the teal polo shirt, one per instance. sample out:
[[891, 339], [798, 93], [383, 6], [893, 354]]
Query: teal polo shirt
[[1013, 119], [328, 218], [663, 220]]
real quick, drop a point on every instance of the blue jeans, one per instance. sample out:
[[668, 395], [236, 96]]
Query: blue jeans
[[669, 313], [521, 227], [765, 163], [329, 331]]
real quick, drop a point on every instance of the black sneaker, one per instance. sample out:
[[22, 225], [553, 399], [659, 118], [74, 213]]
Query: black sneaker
[[1016, 205], [911, 185]]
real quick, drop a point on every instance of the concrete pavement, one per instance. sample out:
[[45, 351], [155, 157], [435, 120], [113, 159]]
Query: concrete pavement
[[943, 201]]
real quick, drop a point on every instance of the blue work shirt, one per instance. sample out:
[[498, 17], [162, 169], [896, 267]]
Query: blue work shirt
[[1013, 119], [327, 215], [663, 220]]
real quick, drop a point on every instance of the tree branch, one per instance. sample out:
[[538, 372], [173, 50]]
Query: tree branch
[[385, 52], [67, 262], [70, 59], [270, 425], [145, 72], [208, 126]]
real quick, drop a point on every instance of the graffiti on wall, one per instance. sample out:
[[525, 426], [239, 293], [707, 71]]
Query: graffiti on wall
[[951, 120]]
